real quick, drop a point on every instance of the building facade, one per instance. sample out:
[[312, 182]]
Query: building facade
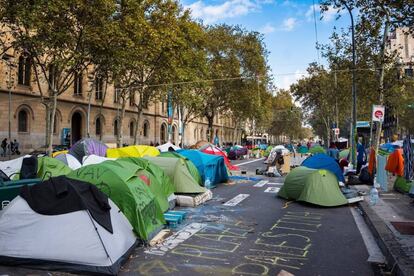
[[21, 102]]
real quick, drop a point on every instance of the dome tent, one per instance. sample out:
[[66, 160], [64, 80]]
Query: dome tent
[[90, 234], [133, 151], [319, 187], [87, 147], [323, 161], [190, 165]]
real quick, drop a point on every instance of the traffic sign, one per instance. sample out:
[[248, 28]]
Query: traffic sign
[[336, 131], [362, 124], [378, 113]]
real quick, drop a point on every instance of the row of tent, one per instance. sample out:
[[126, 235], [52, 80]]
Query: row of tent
[[316, 181], [83, 210]]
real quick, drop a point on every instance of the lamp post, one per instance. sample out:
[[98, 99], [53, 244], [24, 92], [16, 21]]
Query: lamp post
[[354, 96], [9, 60]]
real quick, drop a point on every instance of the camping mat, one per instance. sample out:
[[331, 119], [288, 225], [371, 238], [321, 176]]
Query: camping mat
[[404, 227]]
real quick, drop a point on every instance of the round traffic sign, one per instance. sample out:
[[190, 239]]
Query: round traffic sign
[[378, 114]]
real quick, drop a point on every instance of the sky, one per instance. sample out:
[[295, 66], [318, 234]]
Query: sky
[[287, 25]]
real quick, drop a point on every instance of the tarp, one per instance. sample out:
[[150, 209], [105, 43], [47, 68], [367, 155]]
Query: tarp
[[133, 151], [190, 165], [209, 166], [49, 167], [318, 187], [395, 163], [135, 199], [72, 242], [12, 166], [69, 160], [323, 161], [159, 183], [212, 149], [87, 146], [177, 170], [303, 149], [317, 149], [408, 158], [165, 147]]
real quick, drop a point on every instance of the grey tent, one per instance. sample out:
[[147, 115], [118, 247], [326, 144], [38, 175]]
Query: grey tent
[[67, 225], [86, 147]]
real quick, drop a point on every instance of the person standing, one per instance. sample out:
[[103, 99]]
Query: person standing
[[4, 146], [361, 155], [333, 151]]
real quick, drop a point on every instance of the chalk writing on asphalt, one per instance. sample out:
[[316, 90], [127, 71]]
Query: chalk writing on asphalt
[[272, 190], [261, 183], [174, 240], [236, 200]]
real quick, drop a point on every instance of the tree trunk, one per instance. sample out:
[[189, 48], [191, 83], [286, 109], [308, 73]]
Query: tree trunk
[[101, 107], [52, 123], [119, 137], [183, 133], [138, 118], [47, 118], [210, 128]]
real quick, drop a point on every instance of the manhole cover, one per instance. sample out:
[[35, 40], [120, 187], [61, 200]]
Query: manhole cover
[[404, 227]]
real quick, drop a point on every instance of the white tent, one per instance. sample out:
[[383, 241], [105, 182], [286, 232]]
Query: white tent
[[94, 159], [12, 166], [166, 146], [69, 160], [67, 242]]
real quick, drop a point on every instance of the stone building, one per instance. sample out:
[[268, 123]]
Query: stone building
[[28, 123]]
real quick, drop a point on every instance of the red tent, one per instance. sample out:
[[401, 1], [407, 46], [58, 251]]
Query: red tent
[[212, 149]]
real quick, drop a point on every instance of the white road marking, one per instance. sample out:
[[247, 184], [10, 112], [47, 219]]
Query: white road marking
[[272, 190], [276, 183], [248, 162], [236, 200], [261, 183], [374, 252]]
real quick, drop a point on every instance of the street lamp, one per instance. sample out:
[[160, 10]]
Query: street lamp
[[9, 60], [354, 96]]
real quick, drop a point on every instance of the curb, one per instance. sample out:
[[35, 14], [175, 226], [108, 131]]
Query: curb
[[397, 260]]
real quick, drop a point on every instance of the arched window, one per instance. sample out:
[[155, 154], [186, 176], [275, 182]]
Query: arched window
[[131, 129], [23, 125], [98, 126], [163, 133], [24, 70], [145, 129], [116, 127], [202, 134]]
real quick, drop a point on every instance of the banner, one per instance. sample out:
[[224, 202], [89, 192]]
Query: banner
[[170, 113], [378, 113]]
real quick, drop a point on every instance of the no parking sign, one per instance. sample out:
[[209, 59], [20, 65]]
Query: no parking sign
[[378, 113]]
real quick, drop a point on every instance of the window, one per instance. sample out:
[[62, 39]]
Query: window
[[24, 70], [52, 77], [202, 134], [77, 85], [131, 129], [145, 129], [195, 134], [409, 72], [117, 94], [163, 133], [116, 127], [23, 123], [162, 107], [98, 126], [98, 88], [406, 46], [131, 98]]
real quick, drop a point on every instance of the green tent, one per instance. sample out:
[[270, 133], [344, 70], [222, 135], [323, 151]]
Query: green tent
[[318, 187], [48, 167], [317, 149], [344, 154], [402, 185], [177, 170], [190, 165], [267, 151], [119, 181], [159, 183]]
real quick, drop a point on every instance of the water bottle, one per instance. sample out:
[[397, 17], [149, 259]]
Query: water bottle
[[207, 183], [373, 196]]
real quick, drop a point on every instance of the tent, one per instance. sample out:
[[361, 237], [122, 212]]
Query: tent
[[155, 178], [323, 161], [190, 165], [200, 144], [303, 149], [177, 170], [165, 147], [69, 160], [282, 148], [135, 199], [94, 159], [318, 187], [209, 166], [212, 149], [86, 147], [49, 167], [267, 151], [13, 166], [133, 151], [344, 154], [63, 224], [317, 149]]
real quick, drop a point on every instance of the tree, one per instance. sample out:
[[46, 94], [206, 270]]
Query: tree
[[56, 37]]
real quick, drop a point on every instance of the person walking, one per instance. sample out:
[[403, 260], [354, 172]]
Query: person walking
[[361, 155], [4, 146]]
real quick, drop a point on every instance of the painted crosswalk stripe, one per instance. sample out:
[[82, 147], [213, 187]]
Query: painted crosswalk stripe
[[272, 190], [236, 200], [261, 183], [275, 183]]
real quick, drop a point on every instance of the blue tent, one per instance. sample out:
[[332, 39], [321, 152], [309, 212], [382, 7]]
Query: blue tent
[[208, 165], [323, 161]]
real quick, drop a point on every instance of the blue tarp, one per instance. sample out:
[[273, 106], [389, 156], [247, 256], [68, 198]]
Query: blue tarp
[[208, 165], [323, 161]]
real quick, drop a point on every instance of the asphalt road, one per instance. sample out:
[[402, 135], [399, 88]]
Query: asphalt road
[[261, 235]]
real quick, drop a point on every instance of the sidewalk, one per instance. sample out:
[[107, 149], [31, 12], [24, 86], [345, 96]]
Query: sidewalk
[[397, 248]]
